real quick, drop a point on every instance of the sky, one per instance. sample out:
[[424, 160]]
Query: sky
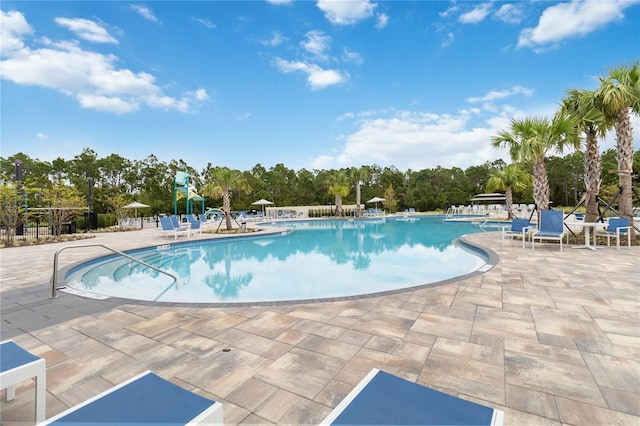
[[308, 84]]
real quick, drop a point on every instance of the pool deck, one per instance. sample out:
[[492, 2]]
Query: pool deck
[[548, 337]]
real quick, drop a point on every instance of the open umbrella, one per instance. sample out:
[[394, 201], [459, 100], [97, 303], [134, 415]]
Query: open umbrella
[[262, 202], [376, 200], [135, 205]]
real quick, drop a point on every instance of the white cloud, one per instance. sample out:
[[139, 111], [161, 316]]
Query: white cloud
[[207, 23], [316, 42], [91, 78], [145, 12], [476, 15], [501, 94], [418, 140], [573, 19], [280, 2], [87, 30], [349, 56], [446, 42], [13, 28], [275, 40], [509, 13], [346, 12], [42, 136], [382, 20], [317, 77]]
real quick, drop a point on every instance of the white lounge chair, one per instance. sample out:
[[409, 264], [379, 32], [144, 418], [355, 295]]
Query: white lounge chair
[[18, 365], [144, 399], [383, 399]]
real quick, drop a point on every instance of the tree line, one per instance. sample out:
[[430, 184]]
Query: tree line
[[539, 172]]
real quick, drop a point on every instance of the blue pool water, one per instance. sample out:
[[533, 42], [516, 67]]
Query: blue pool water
[[319, 259]]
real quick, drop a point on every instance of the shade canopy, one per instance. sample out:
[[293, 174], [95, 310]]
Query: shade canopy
[[262, 202], [375, 200], [495, 196], [135, 205]]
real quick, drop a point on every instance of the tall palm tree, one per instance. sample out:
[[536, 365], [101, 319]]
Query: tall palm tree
[[585, 107], [509, 178], [620, 93], [359, 175], [221, 182], [529, 141], [339, 188]]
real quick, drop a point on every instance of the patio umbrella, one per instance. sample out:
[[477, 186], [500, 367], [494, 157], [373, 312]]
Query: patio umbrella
[[376, 200], [262, 202], [135, 205]]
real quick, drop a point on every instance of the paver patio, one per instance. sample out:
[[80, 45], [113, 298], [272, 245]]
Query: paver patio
[[548, 337]]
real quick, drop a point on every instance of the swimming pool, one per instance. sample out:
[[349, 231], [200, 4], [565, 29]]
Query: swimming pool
[[318, 260]]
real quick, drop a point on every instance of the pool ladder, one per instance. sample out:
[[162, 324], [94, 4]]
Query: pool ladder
[[54, 280]]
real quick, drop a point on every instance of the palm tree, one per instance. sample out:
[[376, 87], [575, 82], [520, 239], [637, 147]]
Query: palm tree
[[529, 141], [222, 181], [509, 178], [585, 107], [359, 174], [338, 187], [620, 93]]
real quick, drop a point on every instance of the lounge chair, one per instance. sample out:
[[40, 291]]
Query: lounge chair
[[167, 228], [617, 227], [144, 399], [18, 365], [194, 224], [551, 227], [518, 228], [383, 399]]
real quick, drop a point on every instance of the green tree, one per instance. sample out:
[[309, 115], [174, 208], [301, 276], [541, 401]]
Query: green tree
[[11, 211], [359, 175], [390, 202], [338, 187], [531, 139], [620, 94], [65, 204], [509, 178], [221, 182], [583, 105]]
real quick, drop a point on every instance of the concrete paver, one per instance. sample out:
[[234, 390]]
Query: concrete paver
[[548, 337]]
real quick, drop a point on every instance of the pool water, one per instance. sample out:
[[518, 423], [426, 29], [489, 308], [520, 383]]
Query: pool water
[[319, 259]]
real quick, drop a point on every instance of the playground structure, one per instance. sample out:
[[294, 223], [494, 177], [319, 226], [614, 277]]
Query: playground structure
[[182, 189]]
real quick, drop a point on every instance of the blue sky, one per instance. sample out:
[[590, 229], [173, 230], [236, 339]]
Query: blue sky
[[309, 84]]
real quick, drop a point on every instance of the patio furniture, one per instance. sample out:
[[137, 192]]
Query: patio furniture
[[146, 398], [383, 399], [551, 227], [518, 228], [18, 365], [618, 227], [167, 227]]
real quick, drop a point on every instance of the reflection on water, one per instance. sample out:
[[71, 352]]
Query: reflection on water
[[319, 259]]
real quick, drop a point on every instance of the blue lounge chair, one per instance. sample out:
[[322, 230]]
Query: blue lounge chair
[[144, 399], [519, 228], [551, 227], [194, 224], [618, 227], [18, 365], [167, 227], [383, 399]]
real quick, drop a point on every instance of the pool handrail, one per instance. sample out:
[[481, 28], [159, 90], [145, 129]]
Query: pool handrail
[[54, 280]]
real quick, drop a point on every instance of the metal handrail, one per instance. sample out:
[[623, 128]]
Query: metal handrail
[[54, 281]]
